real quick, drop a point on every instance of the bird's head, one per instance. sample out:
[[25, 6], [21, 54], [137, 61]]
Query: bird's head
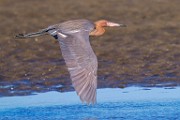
[[101, 24]]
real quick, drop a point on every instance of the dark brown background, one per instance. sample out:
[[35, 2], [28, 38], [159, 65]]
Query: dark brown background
[[146, 53]]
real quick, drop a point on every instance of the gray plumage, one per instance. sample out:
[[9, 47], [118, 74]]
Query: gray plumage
[[73, 37]]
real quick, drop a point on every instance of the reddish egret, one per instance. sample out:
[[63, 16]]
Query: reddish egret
[[80, 59]]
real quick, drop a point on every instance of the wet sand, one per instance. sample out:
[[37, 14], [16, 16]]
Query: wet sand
[[146, 53]]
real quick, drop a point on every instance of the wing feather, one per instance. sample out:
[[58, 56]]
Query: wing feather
[[82, 64]]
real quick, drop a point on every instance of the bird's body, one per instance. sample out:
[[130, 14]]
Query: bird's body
[[80, 58], [73, 25]]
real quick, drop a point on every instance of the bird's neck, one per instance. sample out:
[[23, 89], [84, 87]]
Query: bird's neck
[[99, 30]]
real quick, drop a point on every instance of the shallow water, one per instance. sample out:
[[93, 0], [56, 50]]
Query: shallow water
[[113, 104]]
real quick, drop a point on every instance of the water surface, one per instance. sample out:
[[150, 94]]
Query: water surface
[[113, 104]]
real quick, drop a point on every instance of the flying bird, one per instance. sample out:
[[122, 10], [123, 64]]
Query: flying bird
[[80, 59]]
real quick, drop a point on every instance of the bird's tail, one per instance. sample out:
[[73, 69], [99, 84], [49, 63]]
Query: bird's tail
[[34, 34]]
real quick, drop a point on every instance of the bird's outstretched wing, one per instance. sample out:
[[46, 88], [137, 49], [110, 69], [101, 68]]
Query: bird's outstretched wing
[[81, 62]]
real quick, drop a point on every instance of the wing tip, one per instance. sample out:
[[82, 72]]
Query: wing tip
[[88, 101]]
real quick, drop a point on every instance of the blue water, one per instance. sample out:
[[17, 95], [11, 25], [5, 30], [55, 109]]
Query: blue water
[[131, 103]]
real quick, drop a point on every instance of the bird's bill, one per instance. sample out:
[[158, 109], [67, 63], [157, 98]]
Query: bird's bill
[[112, 24]]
